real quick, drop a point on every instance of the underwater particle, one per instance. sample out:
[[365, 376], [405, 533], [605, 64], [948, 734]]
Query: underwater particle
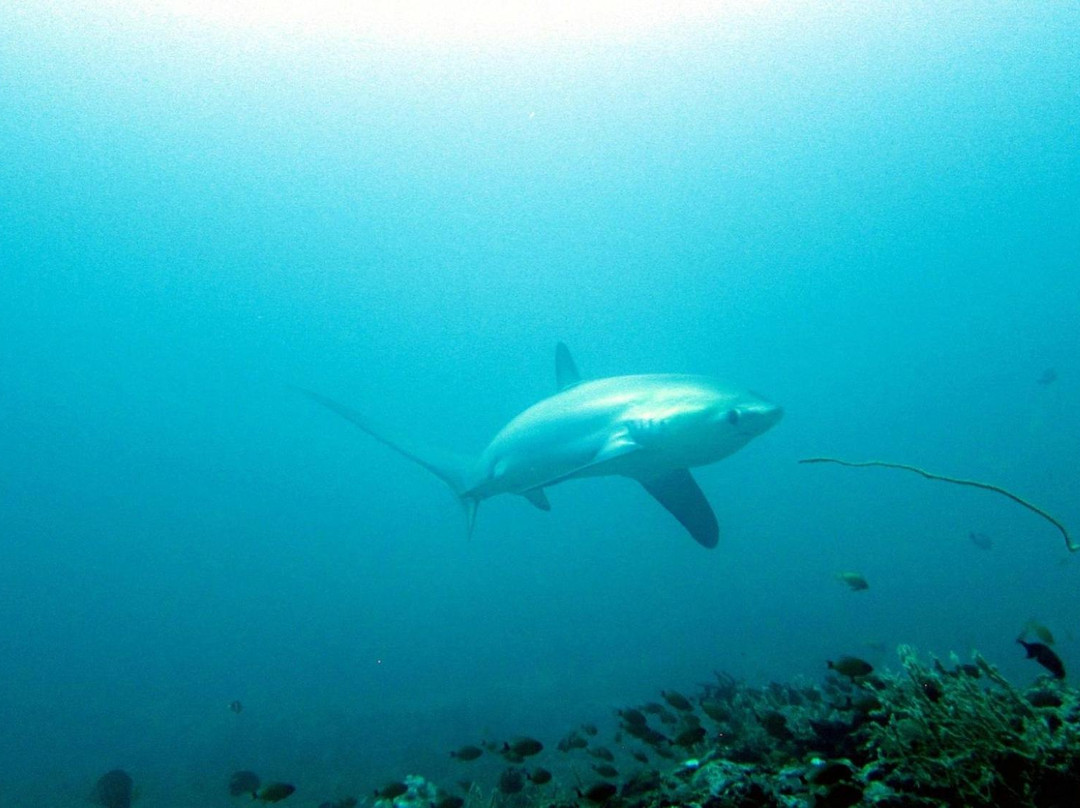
[[1039, 630], [981, 540], [243, 782], [601, 752], [1048, 377], [275, 792], [606, 770], [598, 793], [677, 700], [854, 580], [467, 753], [539, 776], [523, 747], [236, 706], [851, 667], [392, 790], [113, 789], [511, 781], [1045, 657]]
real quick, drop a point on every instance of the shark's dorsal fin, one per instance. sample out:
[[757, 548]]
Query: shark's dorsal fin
[[679, 493], [566, 372]]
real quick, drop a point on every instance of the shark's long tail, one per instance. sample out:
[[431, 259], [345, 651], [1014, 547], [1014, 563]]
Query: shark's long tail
[[451, 468]]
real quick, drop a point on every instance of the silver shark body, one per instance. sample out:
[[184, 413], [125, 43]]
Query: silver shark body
[[652, 428]]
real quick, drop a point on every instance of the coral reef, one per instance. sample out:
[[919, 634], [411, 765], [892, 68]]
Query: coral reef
[[927, 734]]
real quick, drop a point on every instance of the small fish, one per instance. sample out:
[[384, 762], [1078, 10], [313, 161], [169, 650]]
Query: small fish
[[1039, 630], [236, 706], [690, 737], [640, 756], [589, 729], [114, 789], [677, 700], [653, 707], [467, 753], [511, 781], [1045, 657], [1049, 376], [572, 741], [243, 782], [523, 747], [275, 792], [599, 793], [450, 801], [632, 716], [716, 710], [851, 667], [606, 770], [601, 752], [539, 776], [981, 540], [392, 790], [854, 580]]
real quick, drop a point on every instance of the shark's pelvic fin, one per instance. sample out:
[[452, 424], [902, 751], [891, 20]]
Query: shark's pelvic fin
[[452, 469], [566, 372], [679, 493], [538, 498]]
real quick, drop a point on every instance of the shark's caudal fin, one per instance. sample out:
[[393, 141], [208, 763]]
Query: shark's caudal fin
[[452, 469]]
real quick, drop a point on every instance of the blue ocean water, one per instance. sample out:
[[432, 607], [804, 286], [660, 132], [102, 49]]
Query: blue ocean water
[[868, 213]]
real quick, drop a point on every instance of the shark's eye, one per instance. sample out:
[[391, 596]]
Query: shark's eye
[[733, 417]]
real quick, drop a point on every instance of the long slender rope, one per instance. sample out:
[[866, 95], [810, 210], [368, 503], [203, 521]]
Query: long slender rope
[[1072, 546]]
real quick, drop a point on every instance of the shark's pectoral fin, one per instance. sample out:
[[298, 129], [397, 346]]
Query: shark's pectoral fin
[[538, 498], [679, 493]]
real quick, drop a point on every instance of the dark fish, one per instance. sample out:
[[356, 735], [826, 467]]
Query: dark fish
[[851, 667], [523, 747], [589, 729], [243, 782], [1039, 630], [716, 710], [539, 776], [632, 716], [450, 802], [1049, 376], [276, 792], [113, 789], [653, 707], [677, 700], [601, 752], [511, 781], [572, 741], [690, 737], [392, 790], [640, 756], [775, 723], [981, 540], [236, 706], [606, 770], [599, 793], [1045, 657], [467, 753], [854, 580]]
